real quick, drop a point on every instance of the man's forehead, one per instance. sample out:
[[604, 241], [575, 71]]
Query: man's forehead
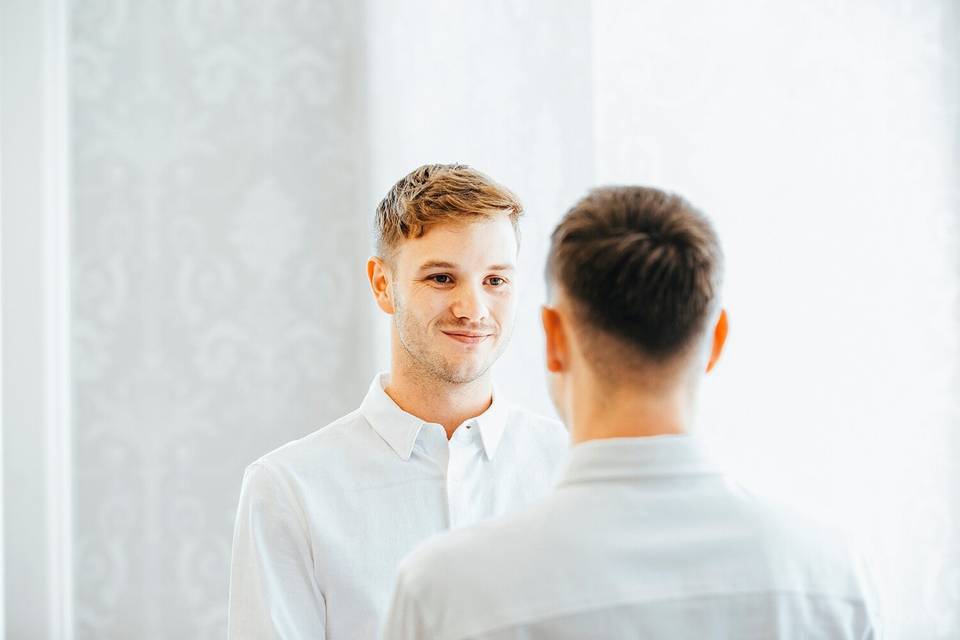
[[486, 226], [482, 244]]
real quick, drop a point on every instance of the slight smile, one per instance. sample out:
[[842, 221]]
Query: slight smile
[[467, 337]]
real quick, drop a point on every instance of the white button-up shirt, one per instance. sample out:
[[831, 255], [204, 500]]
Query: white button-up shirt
[[643, 538], [324, 521]]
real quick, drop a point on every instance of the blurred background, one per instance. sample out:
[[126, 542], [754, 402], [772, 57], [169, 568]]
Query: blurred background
[[187, 188]]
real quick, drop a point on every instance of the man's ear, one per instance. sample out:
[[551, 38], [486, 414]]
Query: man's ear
[[379, 276], [556, 339], [719, 339]]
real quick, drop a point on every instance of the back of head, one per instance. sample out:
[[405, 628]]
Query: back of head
[[642, 270]]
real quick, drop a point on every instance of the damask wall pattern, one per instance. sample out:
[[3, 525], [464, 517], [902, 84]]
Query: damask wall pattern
[[219, 241]]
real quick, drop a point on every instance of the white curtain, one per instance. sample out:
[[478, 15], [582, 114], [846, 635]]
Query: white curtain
[[227, 157]]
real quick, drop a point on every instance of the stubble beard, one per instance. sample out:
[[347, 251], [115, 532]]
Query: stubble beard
[[430, 364]]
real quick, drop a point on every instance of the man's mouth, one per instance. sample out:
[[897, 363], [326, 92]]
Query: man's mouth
[[467, 337]]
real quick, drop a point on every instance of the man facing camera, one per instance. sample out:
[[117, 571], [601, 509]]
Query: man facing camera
[[324, 521], [643, 537]]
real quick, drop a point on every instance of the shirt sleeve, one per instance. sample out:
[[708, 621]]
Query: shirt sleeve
[[404, 619], [273, 589]]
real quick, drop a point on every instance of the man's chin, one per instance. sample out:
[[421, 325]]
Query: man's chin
[[465, 373], [462, 377]]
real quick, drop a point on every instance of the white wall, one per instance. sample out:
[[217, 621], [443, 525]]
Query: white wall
[[819, 137], [506, 88]]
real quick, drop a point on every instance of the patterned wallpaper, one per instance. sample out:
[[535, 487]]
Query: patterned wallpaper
[[220, 234]]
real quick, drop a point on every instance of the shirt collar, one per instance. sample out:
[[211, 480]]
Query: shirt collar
[[492, 423], [397, 427], [633, 458], [400, 429]]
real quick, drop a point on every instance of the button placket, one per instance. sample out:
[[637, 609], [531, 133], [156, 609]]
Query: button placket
[[436, 448], [460, 452]]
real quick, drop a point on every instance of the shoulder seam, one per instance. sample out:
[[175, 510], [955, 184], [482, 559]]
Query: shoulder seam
[[291, 498]]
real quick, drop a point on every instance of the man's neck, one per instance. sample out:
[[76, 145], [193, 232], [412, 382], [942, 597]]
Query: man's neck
[[631, 414], [434, 400]]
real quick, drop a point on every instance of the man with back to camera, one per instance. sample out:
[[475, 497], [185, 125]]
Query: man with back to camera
[[323, 521], [643, 536]]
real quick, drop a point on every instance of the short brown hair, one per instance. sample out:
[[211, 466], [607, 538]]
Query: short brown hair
[[437, 193], [640, 265]]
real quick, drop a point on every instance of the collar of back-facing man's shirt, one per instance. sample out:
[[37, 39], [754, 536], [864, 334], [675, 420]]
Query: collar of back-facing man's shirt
[[612, 459], [400, 429]]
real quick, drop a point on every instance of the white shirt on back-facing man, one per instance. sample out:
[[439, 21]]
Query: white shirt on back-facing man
[[644, 537], [324, 521]]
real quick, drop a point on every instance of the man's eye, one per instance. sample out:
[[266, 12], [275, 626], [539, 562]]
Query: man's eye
[[496, 281], [441, 278]]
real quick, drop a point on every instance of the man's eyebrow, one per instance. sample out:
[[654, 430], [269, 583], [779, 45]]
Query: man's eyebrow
[[443, 264], [437, 264]]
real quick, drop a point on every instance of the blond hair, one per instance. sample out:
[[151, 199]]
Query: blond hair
[[437, 193]]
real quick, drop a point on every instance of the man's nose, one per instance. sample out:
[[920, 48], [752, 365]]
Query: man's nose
[[469, 304]]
